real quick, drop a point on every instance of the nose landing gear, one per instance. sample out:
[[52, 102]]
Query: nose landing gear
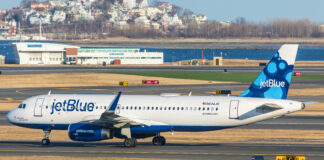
[[46, 141]]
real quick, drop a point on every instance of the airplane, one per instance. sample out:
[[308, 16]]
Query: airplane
[[95, 117]]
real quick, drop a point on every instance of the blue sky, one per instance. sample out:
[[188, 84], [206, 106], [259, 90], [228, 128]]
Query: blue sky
[[252, 10]]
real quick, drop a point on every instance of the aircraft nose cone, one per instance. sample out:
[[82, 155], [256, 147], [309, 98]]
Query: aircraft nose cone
[[303, 106], [11, 116]]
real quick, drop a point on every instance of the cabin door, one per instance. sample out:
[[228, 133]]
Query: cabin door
[[38, 107], [233, 110]]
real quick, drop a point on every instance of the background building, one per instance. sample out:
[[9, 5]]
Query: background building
[[53, 53], [40, 53]]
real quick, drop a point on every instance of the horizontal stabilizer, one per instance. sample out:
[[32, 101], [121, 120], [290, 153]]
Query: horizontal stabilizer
[[310, 102]]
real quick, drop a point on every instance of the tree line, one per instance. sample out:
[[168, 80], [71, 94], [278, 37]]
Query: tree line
[[277, 28]]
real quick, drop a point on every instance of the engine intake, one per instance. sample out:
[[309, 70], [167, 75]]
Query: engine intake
[[88, 132]]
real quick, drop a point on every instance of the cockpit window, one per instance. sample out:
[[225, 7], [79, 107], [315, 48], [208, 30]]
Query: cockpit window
[[23, 106]]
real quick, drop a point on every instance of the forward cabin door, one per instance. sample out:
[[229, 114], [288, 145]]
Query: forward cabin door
[[233, 110], [38, 107]]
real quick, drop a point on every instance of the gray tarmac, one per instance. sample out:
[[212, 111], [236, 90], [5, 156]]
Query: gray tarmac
[[221, 151]]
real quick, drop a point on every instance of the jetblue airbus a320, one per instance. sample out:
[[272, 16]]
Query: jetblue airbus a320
[[90, 117]]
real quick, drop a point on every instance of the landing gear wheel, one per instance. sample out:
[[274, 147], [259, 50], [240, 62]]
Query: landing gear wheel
[[158, 141], [45, 141], [130, 142]]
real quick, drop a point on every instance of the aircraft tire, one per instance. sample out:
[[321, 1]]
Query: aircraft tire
[[158, 141], [162, 140], [130, 142], [45, 141]]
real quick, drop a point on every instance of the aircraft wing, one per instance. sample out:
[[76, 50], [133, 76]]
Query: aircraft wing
[[111, 120]]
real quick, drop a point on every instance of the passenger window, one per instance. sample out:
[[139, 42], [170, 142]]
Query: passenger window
[[177, 108], [121, 108], [199, 109], [135, 108], [165, 108], [216, 109], [20, 106], [126, 107], [106, 107], [152, 108], [157, 108], [186, 108], [190, 108], [160, 108], [173, 108], [131, 108], [24, 106], [97, 107], [139, 108], [181, 108], [169, 108], [148, 108]]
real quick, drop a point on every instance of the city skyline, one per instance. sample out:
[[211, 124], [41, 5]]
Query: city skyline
[[252, 10]]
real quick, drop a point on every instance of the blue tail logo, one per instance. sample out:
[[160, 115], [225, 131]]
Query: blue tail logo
[[273, 82]]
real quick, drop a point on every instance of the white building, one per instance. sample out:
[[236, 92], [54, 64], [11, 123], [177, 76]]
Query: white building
[[52, 53], [40, 53], [130, 4], [124, 55]]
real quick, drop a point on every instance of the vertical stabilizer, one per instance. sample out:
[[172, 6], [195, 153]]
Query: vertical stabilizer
[[273, 81]]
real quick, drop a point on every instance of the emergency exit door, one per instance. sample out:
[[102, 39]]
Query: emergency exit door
[[233, 111], [38, 107]]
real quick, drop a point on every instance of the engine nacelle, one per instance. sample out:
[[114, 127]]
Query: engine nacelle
[[88, 132]]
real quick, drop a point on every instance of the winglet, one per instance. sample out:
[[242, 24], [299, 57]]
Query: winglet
[[114, 104]]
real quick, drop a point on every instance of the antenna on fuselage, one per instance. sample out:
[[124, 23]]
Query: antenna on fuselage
[[190, 93]]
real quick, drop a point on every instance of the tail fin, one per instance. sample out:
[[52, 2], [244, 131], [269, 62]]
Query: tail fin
[[273, 81]]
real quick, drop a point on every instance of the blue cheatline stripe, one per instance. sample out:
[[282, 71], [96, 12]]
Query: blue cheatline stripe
[[115, 102], [135, 129]]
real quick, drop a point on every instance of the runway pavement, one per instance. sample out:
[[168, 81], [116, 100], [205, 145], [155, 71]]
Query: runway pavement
[[100, 69], [200, 89], [221, 151]]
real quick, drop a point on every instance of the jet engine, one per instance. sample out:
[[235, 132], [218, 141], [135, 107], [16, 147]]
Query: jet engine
[[88, 132]]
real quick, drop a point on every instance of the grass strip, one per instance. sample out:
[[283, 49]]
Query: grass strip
[[209, 76], [214, 76]]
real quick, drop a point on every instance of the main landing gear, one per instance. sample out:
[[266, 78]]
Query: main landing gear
[[46, 140], [130, 142], [158, 140]]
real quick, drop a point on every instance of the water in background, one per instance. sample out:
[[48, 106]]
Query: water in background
[[305, 53], [263, 52]]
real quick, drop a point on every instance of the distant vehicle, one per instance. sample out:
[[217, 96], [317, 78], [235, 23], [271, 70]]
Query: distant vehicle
[[88, 117]]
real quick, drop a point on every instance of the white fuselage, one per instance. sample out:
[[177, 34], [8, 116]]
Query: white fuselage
[[183, 113]]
